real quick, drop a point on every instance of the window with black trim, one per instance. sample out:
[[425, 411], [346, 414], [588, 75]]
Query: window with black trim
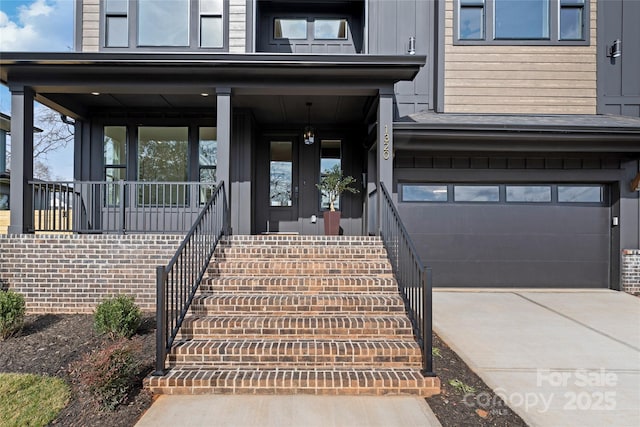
[[115, 161], [424, 193], [207, 160], [521, 21], [172, 24]]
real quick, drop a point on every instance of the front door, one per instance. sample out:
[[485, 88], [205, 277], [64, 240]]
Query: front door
[[277, 185]]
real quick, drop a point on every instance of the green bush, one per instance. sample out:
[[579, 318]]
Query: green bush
[[118, 317], [12, 309], [109, 374]]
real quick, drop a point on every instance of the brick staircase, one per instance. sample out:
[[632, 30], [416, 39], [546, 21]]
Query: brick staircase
[[297, 315]]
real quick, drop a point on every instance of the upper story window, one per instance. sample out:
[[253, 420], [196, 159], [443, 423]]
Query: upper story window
[[174, 24], [522, 22]]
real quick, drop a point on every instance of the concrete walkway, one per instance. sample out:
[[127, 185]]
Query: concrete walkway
[[284, 411], [559, 358]]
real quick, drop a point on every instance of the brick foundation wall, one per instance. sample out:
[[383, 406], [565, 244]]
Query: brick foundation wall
[[631, 271], [73, 273]]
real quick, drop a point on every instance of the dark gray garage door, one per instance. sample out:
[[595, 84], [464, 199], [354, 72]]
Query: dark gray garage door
[[499, 235]]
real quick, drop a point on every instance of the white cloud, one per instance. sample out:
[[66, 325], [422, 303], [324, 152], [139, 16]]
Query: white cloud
[[42, 26]]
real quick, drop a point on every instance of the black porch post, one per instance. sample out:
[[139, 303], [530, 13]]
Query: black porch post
[[384, 151], [20, 201]]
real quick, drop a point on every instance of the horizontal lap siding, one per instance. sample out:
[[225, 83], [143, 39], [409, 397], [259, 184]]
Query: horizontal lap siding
[[520, 79], [90, 25], [237, 26]]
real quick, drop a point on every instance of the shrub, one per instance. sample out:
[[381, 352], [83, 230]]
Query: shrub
[[118, 317], [12, 309], [109, 374]]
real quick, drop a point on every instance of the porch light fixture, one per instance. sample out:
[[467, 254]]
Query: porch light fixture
[[95, 93], [615, 51], [309, 132]]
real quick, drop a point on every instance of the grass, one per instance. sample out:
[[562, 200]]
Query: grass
[[31, 400]]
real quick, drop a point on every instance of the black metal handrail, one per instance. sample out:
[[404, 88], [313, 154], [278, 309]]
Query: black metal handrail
[[414, 280], [178, 281]]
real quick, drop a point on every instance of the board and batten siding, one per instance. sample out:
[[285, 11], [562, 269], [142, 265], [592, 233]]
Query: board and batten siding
[[519, 79], [90, 25]]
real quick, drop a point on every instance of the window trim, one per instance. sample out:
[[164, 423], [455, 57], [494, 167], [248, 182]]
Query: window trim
[[554, 28], [194, 31]]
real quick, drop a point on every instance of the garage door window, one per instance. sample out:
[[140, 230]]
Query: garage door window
[[424, 193], [580, 194], [476, 193], [529, 193]]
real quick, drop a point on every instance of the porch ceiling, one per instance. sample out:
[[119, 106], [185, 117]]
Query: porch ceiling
[[66, 81]]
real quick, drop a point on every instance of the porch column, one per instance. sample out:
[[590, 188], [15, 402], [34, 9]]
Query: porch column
[[384, 150], [20, 201], [223, 123]]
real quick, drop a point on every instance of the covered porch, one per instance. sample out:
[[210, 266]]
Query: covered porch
[[217, 118]]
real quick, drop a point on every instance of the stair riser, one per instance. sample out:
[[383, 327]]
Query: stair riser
[[322, 383], [299, 361], [245, 269], [301, 252], [211, 305]]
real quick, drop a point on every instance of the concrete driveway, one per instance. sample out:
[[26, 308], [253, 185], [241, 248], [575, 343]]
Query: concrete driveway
[[558, 358]]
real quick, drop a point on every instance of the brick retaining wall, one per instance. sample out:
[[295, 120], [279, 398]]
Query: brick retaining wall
[[631, 271], [73, 273]]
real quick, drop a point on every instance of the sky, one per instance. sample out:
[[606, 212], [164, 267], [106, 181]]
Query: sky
[[38, 26]]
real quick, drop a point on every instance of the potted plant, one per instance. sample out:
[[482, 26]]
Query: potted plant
[[332, 184]]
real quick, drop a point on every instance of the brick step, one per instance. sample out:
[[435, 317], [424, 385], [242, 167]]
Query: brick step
[[300, 268], [298, 326], [306, 252], [300, 285], [295, 353], [348, 381], [291, 304], [284, 240]]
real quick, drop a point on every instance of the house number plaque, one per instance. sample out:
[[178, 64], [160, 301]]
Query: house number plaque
[[385, 149]]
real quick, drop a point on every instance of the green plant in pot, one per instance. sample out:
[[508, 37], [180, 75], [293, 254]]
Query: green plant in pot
[[332, 184]]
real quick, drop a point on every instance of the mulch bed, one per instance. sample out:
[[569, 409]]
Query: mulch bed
[[48, 344]]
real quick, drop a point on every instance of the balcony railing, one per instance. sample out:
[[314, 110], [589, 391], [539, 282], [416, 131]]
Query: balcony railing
[[117, 206]]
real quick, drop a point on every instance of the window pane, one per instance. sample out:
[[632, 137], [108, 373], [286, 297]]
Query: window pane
[[163, 22], [208, 147], [424, 193], [290, 28], [571, 23], [330, 156], [115, 145], [162, 153], [281, 173], [580, 194], [211, 31], [113, 189], [116, 6], [330, 29], [529, 193], [476, 193], [117, 32], [522, 19], [471, 23], [211, 7], [207, 175]]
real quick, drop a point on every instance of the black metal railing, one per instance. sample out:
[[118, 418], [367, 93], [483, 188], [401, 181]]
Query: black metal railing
[[117, 206], [414, 280], [178, 281]]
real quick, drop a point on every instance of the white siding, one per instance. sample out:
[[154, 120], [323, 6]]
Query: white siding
[[237, 26], [90, 25]]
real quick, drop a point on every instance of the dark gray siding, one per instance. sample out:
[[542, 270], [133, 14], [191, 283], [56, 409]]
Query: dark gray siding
[[618, 78], [391, 24]]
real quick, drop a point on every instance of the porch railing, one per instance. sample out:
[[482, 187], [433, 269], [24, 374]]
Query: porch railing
[[117, 206], [178, 281], [413, 278]]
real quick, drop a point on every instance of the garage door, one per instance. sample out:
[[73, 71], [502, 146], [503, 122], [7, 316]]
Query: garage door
[[502, 235]]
